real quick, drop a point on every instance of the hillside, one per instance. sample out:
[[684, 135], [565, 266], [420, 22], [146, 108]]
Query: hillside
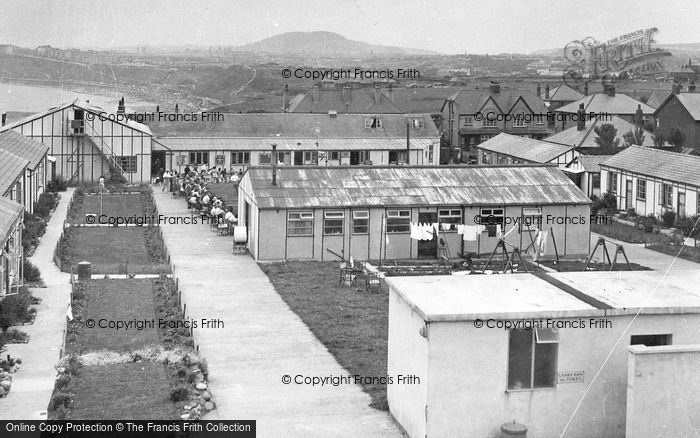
[[324, 44]]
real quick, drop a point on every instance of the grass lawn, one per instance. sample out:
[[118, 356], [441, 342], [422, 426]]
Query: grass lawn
[[628, 234], [117, 300], [688, 253], [349, 321], [135, 391], [112, 206]]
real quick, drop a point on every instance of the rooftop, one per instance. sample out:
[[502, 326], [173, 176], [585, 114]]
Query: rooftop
[[472, 101], [531, 150], [690, 101], [586, 137], [604, 103], [670, 166], [18, 144], [11, 167], [562, 93], [395, 186], [657, 97], [299, 126], [510, 296], [354, 101], [9, 213]]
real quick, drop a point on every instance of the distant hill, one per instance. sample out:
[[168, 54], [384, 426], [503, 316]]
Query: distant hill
[[324, 44]]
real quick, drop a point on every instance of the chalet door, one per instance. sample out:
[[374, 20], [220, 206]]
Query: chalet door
[[428, 248], [681, 204], [629, 201], [298, 158]]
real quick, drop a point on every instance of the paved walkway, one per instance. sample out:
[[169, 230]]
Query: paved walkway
[[637, 253], [262, 340], [33, 384]]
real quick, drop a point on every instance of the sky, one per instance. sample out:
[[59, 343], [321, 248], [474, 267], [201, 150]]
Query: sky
[[444, 26]]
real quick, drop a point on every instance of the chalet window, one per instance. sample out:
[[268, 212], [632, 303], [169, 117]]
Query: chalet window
[[532, 358], [398, 221], [487, 158], [641, 189], [539, 119], [16, 193], [596, 181], [398, 157], [373, 122], [311, 158], [483, 138], [490, 121], [127, 163], [220, 160], [333, 222], [300, 223], [532, 218], [199, 158], [612, 182], [450, 218], [418, 123], [333, 155], [265, 158], [240, 158], [360, 222], [651, 340], [430, 154], [491, 217], [697, 204], [667, 195]]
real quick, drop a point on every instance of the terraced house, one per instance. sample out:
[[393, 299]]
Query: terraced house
[[471, 117]]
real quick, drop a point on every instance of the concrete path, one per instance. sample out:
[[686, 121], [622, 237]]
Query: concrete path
[[33, 384], [262, 340], [636, 253]]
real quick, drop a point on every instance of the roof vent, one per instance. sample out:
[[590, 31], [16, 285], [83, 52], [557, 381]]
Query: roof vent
[[332, 114]]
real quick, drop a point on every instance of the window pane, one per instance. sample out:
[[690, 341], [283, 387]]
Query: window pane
[[333, 226], [360, 226], [545, 365], [520, 359]]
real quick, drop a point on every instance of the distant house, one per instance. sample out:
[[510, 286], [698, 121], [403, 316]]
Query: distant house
[[512, 149], [366, 212], [653, 181], [28, 187], [471, 117], [582, 135], [87, 144], [681, 113], [584, 170], [241, 140], [609, 102], [11, 256], [558, 96]]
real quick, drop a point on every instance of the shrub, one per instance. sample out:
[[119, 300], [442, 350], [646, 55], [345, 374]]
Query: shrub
[[15, 308], [609, 201], [73, 366], [63, 381], [687, 225], [57, 185], [14, 336], [31, 272], [34, 228], [59, 399], [646, 223], [179, 393], [668, 218]]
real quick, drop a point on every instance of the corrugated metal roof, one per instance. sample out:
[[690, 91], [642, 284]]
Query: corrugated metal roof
[[381, 186], [586, 138], [24, 147], [535, 151], [297, 125], [670, 166], [603, 103], [265, 144], [9, 213], [591, 163], [11, 167]]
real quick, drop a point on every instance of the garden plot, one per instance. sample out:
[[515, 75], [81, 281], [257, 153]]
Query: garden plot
[[113, 206]]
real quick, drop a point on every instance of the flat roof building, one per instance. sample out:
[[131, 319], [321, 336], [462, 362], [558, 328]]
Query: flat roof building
[[565, 354]]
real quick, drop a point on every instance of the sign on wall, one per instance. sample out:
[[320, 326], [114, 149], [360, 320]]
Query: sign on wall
[[571, 377]]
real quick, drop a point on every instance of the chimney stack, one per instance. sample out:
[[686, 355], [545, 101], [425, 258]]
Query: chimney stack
[[120, 107], [610, 90], [177, 108], [274, 164], [676, 89], [347, 94], [585, 89], [316, 93], [639, 116], [546, 92], [285, 98], [377, 94], [581, 118], [691, 87], [539, 90], [495, 87], [3, 119]]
